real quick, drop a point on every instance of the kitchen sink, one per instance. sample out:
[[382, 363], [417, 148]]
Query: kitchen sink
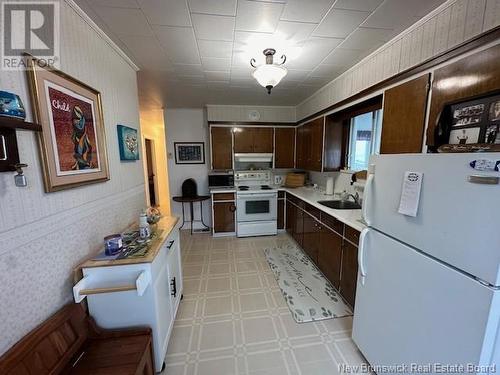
[[340, 205]]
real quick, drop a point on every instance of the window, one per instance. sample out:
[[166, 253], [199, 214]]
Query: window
[[364, 139]]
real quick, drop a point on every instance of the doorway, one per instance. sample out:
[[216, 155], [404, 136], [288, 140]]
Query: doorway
[[151, 171]]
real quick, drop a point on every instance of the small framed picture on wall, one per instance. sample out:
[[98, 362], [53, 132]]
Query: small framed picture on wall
[[189, 153]]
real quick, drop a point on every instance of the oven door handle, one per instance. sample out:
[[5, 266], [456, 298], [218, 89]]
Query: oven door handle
[[247, 196]]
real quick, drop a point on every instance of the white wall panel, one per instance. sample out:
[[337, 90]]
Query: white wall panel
[[240, 113], [44, 236]]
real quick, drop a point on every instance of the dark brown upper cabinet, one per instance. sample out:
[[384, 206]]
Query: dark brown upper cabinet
[[250, 139], [222, 148], [403, 121], [263, 140], [336, 143], [284, 147], [310, 145], [473, 76]]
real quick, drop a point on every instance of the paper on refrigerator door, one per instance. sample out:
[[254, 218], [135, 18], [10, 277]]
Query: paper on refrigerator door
[[410, 194]]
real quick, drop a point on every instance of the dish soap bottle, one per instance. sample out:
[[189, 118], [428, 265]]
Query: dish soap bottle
[[144, 229]]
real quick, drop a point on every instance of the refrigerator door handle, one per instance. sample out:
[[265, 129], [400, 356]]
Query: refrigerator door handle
[[361, 255], [366, 199]]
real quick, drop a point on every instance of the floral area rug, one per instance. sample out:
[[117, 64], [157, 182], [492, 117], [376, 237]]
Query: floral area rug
[[309, 295]]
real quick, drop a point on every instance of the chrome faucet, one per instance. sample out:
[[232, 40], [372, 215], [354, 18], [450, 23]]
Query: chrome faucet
[[345, 196]]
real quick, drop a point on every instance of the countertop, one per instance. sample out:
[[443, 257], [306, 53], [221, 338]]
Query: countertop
[[166, 225], [310, 195], [352, 218]]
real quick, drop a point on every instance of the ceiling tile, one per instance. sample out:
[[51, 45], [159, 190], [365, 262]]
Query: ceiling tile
[[294, 32], [297, 75], [215, 48], [196, 79], [367, 39], [179, 42], [217, 76], [125, 21], [339, 23], [166, 12], [398, 14], [325, 70], [366, 5], [147, 52], [213, 27], [218, 7], [188, 69], [114, 3], [306, 11], [343, 58], [313, 52], [258, 16], [215, 64], [317, 81]]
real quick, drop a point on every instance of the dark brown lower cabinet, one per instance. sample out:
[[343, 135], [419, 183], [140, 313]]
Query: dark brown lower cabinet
[[330, 255], [328, 242], [224, 221], [290, 218], [281, 214], [312, 230], [349, 273], [298, 230]]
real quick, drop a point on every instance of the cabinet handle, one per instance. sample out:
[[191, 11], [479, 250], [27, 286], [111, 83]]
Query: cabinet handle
[[232, 208], [170, 244], [173, 288]]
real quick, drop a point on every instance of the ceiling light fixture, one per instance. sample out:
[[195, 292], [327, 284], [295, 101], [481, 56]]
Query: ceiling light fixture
[[269, 74]]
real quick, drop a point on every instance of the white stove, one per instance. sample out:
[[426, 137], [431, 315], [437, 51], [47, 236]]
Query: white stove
[[256, 204]]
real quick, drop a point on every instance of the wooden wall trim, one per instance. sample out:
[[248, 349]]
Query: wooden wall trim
[[467, 46]]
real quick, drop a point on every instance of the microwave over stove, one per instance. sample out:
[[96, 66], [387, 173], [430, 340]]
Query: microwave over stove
[[217, 179]]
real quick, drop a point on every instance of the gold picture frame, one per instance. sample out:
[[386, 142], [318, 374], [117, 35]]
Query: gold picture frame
[[72, 142]]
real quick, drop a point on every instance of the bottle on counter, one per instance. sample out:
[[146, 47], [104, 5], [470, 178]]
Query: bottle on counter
[[144, 229]]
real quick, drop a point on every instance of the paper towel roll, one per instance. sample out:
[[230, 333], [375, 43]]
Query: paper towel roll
[[329, 186]]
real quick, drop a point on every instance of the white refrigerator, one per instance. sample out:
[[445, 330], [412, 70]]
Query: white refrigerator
[[428, 290]]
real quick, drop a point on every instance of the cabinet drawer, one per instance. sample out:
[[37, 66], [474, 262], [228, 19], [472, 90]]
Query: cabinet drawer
[[332, 223], [352, 235], [223, 197], [313, 210], [281, 194], [296, 201]]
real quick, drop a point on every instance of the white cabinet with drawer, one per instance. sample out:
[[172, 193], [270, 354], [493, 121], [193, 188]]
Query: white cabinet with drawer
[[137, 292]]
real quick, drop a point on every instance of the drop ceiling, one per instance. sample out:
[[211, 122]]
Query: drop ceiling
[[197, 52]]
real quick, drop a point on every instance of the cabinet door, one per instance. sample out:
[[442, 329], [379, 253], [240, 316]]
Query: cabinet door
[[281, 214], [298, 230], [263, 140], [312, 229], [222, 148], [290, 218], [300, 160], [284, 147], [175, 274], [336, 143], [244, 140], [404, 117], [224, 217], [349, 274], [330, 255], [316, 145]]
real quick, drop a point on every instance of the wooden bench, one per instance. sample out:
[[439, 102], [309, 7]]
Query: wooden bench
[[71, 343]]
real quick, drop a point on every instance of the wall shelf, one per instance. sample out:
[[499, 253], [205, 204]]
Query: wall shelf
[[12, 123]]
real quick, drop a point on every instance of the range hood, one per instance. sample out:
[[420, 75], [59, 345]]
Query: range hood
[[254, 157]]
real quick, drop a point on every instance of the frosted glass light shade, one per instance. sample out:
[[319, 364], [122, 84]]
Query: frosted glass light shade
[[269, 74]]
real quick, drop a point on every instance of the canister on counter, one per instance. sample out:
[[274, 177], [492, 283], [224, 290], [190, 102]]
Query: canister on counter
[[113, 244]]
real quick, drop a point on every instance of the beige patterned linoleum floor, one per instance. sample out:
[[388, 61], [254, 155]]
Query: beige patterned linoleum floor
[[233, 319]]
